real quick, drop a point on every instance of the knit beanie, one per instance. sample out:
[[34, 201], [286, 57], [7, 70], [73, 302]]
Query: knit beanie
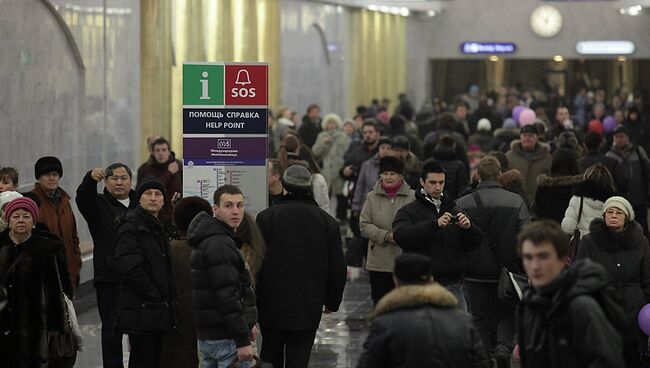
[[413, 268], [150, 182], [620, 203], [484, 124], [391, 163], [186, 209], [47, 164], [8, 196], [22, 203], [297, 176]]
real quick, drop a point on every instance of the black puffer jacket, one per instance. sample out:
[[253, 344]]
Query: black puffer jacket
[[147, 291], [506, 215], [562, 325], [421, 326], [304, 268], [222, 297], [626, 257], [100, 212], [553, 195], [416, 229]]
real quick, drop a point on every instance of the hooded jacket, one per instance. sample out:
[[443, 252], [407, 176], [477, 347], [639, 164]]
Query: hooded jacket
[[100, 212], [553, 195], [421, 326], [456, 173], [531, 165], [415, 229], [563, 325], [593, 198], [222, 296], [376, 223]]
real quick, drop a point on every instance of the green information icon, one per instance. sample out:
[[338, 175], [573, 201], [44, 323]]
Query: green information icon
[[203, 84]]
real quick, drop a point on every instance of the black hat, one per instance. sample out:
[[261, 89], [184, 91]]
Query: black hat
[[530, 128], [401, 141], [296, 176], [150, 182], [186, 209], [621, 129], [47, 164], [413, 268], [384, 140], [391, 163]]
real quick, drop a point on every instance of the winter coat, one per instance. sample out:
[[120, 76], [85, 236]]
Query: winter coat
[[415, 229], [331, 154], [60, 221], [482, 138], [616, 169], [309, 130], [512, 181], [456, 173], [626, 257], [367, 178], [506, 214], [421, 326], [431, 140], [553, 195], [562, 325], [355, 156], [180, 350], [593, 198], [173, 182], [636, 166], [503, 137], [321, 191], [100, 211], [147, 290], [34, 297], [222, 296], [638, 133], [539, 163], [376, 223], [304, 267]]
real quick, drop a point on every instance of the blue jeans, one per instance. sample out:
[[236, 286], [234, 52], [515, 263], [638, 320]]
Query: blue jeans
[[457, 289], [220, 354]]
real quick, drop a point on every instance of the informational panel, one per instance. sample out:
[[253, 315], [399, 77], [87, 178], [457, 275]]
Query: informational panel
[[225, 130]]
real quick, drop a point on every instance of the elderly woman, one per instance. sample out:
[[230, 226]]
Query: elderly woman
[[390, 193], [617, 242], [32, 268]]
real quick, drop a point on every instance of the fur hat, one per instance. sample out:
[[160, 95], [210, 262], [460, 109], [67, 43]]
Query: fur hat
[[150, 182], [22, 203], [8, 196], [47, 164], [529, 129], [413, 268], [186, 209], [331, 118], [484, 124], [620, 203], [391, 163], [296, 176]]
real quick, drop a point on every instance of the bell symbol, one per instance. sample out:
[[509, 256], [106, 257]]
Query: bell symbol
[[243, 78]]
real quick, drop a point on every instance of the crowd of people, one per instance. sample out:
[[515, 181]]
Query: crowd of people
[[492, 235]]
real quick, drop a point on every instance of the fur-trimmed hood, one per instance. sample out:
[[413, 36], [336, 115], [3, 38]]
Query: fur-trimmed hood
[[630, 238], [510, 178], [414, 296], [558, 181], [593, 190], [541, 148]]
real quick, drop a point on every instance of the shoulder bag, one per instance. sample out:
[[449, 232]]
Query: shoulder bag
[[574, 243], [70, 340]]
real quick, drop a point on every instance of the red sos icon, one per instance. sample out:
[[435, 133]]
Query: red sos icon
[[246, 84]]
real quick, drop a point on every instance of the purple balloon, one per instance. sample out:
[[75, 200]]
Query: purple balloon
[[527, 117], [609, 124], [516, 112], [644, 319]]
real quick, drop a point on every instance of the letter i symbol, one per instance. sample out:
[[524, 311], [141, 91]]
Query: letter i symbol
[[204, 87]]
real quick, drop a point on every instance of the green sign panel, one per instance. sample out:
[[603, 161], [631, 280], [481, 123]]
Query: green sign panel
[[203, 84]]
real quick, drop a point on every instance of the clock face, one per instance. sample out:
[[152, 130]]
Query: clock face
[[546, 21]]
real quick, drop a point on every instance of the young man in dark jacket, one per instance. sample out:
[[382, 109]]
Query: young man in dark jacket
[[303, 270], [147, 292], [561, 321], [222, 297], [434, 226], [418, 324], [100, 211]]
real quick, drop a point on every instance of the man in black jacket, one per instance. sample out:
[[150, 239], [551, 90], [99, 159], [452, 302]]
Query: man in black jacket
[[501, 215], [100, 211], [303, 270], [418, 324], [222, 297], [147, 291], [434, 226], [565, 318]]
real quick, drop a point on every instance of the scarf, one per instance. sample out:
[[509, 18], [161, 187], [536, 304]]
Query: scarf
[[391, 190], [435, 201]]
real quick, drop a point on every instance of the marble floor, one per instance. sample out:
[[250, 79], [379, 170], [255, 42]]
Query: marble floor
[[338, 341]]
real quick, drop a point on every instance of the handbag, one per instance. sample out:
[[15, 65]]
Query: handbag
[[69, 340], [575, 239]]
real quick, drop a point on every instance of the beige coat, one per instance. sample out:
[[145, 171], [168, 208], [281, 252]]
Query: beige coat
[[531, 167], [376, 223]]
